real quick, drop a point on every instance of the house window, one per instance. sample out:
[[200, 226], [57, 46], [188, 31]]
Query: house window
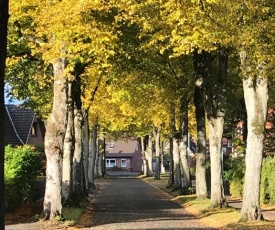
[[123, 163], [34, 129], [110, 163]]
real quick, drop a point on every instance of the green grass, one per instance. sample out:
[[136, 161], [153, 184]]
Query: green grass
[[73, 211]]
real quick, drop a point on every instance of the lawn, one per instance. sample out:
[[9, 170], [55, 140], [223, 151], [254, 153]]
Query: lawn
[[226, 218]]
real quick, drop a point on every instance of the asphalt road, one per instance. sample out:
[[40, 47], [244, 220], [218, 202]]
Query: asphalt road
[[127, 202]]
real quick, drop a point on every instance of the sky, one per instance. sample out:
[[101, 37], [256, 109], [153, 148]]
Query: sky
[[13, 102]]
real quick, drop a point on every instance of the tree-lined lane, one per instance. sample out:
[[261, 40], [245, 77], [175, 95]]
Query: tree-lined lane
[[130, 203]]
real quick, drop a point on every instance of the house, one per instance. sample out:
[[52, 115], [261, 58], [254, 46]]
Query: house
[[22, 126], [124, 155]]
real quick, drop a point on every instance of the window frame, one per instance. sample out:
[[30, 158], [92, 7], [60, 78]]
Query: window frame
[[108, 163], [124, 160]]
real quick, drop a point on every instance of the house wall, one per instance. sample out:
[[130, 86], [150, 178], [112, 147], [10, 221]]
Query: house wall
[[37, 139], [137, 162]]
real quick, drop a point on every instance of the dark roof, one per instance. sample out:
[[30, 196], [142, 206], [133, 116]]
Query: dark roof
[[121, 148], [18, 122]]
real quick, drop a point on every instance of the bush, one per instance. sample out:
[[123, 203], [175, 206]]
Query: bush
[[22, 166], [268, 181], [235, 175]]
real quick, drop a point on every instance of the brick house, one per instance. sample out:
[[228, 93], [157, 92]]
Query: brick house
[[124, 155], [22, 126]]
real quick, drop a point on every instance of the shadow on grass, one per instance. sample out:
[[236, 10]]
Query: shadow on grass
[[258, 225], [215, 211]]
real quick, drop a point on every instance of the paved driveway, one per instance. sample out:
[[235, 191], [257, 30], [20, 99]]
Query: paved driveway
[[126, 202]]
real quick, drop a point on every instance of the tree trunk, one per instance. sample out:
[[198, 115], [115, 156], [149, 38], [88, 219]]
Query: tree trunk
[[68, 148], [162, 169], [149, 156], [100, 162], [216, 106], [186, 181], [54, 142], [256, 96], [201, 188], [215, 148], [156, 132], [86, 136], [94, 151], [78, 185], [176, 158], [92, 158], [171, 180], [183, 145], [4, 16], [144, 160]]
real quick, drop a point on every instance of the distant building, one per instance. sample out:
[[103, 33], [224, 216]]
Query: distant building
[[22, 126], [123, 155]]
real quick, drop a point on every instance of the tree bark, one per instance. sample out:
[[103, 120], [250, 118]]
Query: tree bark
[[54, 142], [86, 136], [4, 16], [215, 140], [183, 145], [78, 185], [68, 149], [186, 181], [171, 180], [176, 159], [156, 132], [100, 162], [201, 188], [256, 96], [144, 160], [149, 155], [216, 106], [92, 158], [162, 168], [94, 154]]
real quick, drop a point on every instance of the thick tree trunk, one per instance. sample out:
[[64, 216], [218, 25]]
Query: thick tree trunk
[[201, 188], [256, 96], [54, 142], [156, 132], [86, 136], [215, 139], [68, 149], [92, 158], [176, 158], [216, 106], [4, 16], [78, 185], [186, 181], [183, 145]]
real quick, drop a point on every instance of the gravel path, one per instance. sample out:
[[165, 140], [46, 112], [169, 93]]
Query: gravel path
[[130, 203]]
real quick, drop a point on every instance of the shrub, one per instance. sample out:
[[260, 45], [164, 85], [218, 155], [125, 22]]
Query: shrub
[[268, 181], [22, 165], [235, 175]]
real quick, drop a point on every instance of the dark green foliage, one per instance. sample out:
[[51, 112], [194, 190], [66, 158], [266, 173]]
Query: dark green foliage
[[269, 147], [235, 175], [268, 181], [22, 166]]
